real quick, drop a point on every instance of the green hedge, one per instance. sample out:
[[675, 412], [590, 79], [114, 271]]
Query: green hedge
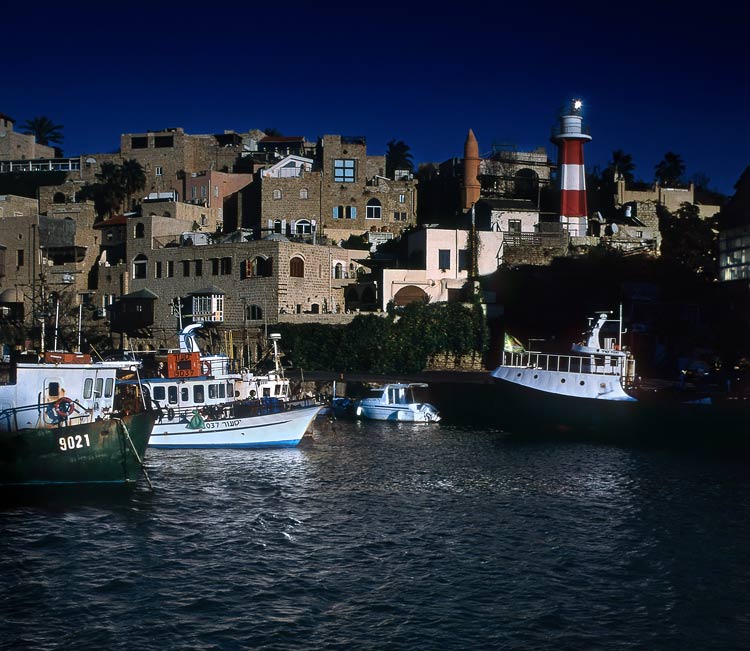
[[401, 341]]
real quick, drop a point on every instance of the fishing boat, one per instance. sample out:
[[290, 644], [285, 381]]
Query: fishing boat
[[64, 420], [396, 402], [594, 391], [203, 402]]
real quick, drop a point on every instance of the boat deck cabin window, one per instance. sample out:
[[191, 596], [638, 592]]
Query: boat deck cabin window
[[199, 393], [172, 394], [216, 391], [374, 393], [109, 386], [160, 393], [99, 388], [88, 387], [184, 394], [54, 389]]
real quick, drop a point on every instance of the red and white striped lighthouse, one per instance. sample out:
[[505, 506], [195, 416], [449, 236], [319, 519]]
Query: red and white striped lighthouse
[[569, 135]]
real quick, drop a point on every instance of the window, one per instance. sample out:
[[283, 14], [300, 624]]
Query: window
[[338, 212], [88, 387], [140, 264], [226, 266], [402, 198], [172, 395], [374, 209], [20, 257], [170, 268], [140, 231], [254, 312], [160, 393], [514, 225], [303, 193], [109, 387], [199, 267], [159, 170], [297, 267], [277, 226], [204, 191], [463, 259], [343, 170], [139, 142], [216, 190], [303, 227], [199, 393], [186, 268], [351, 212], [277, 194], [193, 192], [444, 259], [214, 266], [399, 216], [164, 141], [157, 270], [259, 266]]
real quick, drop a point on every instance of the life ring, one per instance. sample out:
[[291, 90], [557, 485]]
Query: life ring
[[170, 413], [64, 407], [206, 368]]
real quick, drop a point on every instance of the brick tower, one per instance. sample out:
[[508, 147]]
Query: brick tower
[[470, 189]]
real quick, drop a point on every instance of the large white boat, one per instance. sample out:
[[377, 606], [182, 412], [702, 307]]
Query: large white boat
[[203, 403], [597, 369], [396, 402]]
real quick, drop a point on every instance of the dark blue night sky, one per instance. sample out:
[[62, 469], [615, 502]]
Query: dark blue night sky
[[653, 78]]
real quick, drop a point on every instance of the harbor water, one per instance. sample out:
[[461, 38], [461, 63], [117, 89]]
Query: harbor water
[[389, 536]]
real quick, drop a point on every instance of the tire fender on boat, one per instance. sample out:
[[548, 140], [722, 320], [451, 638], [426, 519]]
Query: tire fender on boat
[[170, 413]]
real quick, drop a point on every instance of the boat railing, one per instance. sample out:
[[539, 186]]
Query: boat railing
[[600, 364], [42, 415]]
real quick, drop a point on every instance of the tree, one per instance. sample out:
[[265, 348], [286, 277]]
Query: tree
[[272, 132], [689, 241], [44, 130], [133, 179], [670, 170], [398, 157], [621, 164]]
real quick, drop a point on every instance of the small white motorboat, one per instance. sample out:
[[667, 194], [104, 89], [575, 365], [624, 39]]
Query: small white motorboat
[[396, 402]]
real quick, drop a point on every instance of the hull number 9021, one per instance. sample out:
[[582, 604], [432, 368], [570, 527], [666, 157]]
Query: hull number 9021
[[74, 442]]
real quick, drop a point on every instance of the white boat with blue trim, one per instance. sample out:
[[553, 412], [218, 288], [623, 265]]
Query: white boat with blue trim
[[202, 403]]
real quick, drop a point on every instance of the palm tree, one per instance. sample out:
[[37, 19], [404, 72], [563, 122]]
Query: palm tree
[[133, 178], [112, 187], [398, 157], [621, 164], [670, 170], [44, 129]]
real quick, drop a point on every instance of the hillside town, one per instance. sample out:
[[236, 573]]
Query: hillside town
[[250, 230]]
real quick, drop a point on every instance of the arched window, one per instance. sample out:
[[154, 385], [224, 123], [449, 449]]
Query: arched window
[[338, 270], [526, 184], [140, 266], [277, 194], [254, 313], [303, 193], [140, 230], [277, 226], [259, 267], [374, 209], [297, 267], [59, 197], [303, 227]]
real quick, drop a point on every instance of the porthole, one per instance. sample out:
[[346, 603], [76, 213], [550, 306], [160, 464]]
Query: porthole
[[518, 375], [562, 380], [582, 383], [602, 386], [536, 377]]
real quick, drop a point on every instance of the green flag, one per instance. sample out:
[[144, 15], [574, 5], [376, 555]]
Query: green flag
[[512, 345]]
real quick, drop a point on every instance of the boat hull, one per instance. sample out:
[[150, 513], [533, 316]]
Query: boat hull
[[658, 421], [281, 429], [103, 452]]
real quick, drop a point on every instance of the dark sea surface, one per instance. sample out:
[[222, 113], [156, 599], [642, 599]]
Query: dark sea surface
[[389, 536]]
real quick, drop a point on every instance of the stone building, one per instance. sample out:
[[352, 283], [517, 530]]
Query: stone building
[[19, 146]]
